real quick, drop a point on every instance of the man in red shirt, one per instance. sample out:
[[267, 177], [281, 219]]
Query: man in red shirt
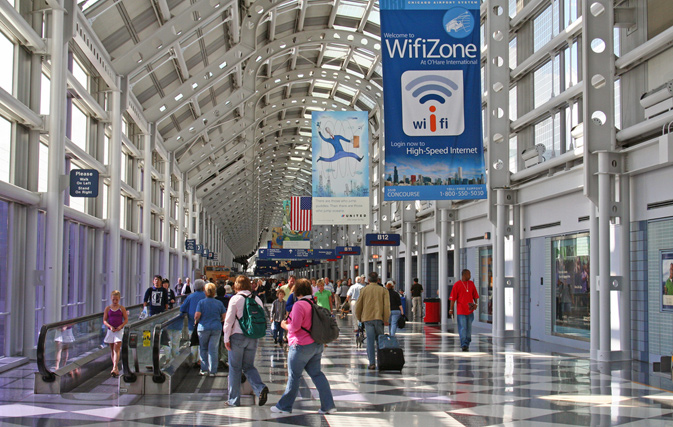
[[464, 293]]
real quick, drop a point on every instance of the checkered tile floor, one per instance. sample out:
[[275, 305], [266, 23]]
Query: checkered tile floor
[[439, 386]]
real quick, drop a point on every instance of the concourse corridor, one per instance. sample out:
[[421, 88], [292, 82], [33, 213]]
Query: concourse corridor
[[439, 386]]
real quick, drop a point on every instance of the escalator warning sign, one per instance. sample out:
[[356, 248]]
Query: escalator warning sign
[[146, 339]]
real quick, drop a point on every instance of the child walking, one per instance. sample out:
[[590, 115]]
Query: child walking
[[115, 318], [277, 316]]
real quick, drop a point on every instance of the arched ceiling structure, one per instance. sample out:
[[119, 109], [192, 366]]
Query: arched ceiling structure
[[231, 86]]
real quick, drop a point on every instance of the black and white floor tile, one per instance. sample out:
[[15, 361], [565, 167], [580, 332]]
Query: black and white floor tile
[[523, 384]]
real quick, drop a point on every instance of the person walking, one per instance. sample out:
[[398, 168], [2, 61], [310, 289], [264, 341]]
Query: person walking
[[352, 297], [209, 315], [156, 297], [373, 309], [417, 300], [241, 348], [277, 316], [304, 355], [464, 297], [115, 318], [396, 309], [323, 297]]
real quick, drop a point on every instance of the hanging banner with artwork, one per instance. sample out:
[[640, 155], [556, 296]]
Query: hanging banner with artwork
[[432, 100], [284, 237], [340, 167]]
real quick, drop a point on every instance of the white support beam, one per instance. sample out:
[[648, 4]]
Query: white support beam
[[18, 111], [93, 49], [16, 25], [178, 28]]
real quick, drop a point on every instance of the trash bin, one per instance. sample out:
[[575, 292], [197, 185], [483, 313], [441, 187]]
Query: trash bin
[[432, 310]]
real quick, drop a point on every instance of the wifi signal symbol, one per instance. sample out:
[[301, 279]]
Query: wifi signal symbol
[[434, 84], [440, 96]]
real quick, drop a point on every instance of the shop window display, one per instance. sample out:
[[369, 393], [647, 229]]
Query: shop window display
[[570, 290]]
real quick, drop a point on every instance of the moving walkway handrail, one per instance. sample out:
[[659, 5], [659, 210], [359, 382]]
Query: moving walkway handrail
[[47, 375], [158, 376], [130, 376]]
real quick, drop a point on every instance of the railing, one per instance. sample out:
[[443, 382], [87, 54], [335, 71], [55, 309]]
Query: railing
[[139, 338], [62, 343], [169, 339]]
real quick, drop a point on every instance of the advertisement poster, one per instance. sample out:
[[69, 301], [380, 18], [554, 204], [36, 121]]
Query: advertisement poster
[[667, 280], [432, 100], [284, 237], [340, 167]]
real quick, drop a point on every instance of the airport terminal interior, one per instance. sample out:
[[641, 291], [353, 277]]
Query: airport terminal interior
[[166, 137]]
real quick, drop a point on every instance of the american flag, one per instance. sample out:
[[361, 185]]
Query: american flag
[[301, 215]]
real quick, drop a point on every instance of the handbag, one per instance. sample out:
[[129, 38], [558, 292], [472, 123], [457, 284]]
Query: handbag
[[194, 339], [402, 321]]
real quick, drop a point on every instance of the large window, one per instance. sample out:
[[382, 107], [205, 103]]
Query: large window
[[570, 290], [5, 148]]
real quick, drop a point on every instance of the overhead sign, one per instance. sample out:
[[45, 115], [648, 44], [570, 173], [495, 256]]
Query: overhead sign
[[348, 250], [190, 244], [84, 183], [199, 249], [432, 100], [204, 253], [211, 255], [340, 143], [383, 239], [290, 254]]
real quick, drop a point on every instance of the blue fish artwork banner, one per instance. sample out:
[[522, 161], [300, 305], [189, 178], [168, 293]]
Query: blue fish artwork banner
[[432, 100]]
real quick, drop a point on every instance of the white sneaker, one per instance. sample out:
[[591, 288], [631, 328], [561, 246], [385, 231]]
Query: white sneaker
[[203, 373], [276, 410], [329, 411]]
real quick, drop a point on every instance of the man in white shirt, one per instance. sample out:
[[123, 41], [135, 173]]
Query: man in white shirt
[[352, 297]]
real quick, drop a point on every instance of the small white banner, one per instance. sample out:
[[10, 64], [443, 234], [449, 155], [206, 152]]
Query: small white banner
[[341, 210], [296, 244]]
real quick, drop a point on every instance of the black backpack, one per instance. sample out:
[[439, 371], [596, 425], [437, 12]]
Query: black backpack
[[324, 328]]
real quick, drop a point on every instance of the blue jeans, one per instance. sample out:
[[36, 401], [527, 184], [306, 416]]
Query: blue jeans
[[394, 317], [242, 359], [209, 342], [305, 357], [373, 328], [465, 328], [278, 333]]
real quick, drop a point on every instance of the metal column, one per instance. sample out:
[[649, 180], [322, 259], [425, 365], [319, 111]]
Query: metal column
[[419, 259], [604, 202], [443, 266], [54, 196], [499, 261], [516, 309], [114, 193], [594, 303], [625, 261], [409, 243], [148, 141], [181, 228]]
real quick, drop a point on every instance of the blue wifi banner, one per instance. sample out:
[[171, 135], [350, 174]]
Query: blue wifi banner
[[432, 100]]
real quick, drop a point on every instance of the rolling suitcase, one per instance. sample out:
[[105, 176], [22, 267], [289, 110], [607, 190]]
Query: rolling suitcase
[[390, 356]]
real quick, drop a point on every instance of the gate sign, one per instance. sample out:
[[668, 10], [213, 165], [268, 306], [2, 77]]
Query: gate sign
[[382, 239], [199, 249], [190, 244], [211, 255], [204, 253], [84, 183], [348, 250], [432, 100]]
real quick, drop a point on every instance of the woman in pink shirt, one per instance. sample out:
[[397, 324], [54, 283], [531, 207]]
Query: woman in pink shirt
[[305, 354]]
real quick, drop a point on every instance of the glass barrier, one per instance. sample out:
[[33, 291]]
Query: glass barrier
[[137, 354], [65, 342], [169, 339]]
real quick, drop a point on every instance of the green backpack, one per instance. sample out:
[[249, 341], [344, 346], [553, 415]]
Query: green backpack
[[253, 320]]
